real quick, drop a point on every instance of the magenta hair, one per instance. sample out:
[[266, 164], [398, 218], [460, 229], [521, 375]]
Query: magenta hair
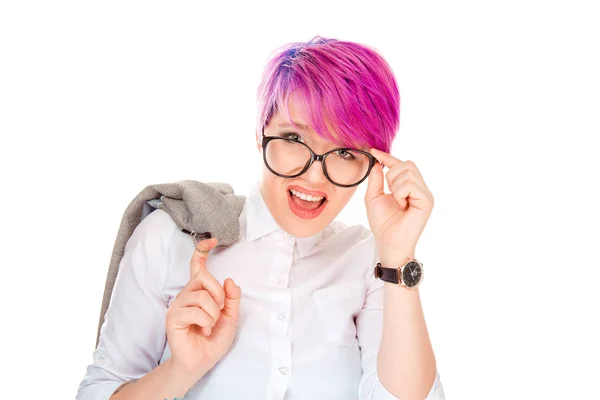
[[346, 83]]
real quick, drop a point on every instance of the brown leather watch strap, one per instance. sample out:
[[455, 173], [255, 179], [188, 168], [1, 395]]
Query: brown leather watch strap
[[386, 274]]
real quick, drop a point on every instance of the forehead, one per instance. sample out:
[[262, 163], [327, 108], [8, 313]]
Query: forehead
[[299, 114]]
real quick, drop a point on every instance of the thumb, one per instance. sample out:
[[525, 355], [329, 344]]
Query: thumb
[[198, 261], [375, 183], [233, 296]]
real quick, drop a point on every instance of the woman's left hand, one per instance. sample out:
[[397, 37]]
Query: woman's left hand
[[397, 219]]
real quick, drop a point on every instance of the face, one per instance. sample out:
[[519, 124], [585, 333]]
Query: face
[[292, 214]]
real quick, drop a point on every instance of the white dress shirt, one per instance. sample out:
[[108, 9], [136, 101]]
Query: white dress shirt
[[311, 312]]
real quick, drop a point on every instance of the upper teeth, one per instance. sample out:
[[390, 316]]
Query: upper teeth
[[306, 196]]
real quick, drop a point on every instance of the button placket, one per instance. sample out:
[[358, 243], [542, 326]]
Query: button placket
[[281, 345], [279, 310], [280, 313]]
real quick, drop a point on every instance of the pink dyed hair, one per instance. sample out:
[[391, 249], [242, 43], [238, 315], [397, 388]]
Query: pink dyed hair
[[350, 84]]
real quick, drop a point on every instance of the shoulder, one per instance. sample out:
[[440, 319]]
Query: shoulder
[[159, 217], [148, 251], [354, 245], [154, 232], [357, 232], [356, 236]]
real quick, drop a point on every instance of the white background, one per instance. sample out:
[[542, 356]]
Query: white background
[[499, 111]]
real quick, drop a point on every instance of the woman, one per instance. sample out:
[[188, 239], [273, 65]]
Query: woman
[[293, 310]]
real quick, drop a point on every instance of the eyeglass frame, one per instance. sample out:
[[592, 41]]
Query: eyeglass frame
[[314, 157]]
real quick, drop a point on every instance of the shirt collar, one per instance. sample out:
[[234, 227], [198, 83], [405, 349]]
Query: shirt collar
[[260, 222]]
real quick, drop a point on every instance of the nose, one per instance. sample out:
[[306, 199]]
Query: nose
[[315, 174]]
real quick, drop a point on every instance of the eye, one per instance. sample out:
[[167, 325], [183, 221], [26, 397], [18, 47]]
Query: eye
[[292, 136], [345, 154]]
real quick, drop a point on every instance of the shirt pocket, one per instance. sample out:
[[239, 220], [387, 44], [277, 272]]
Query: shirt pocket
[[336, 307]]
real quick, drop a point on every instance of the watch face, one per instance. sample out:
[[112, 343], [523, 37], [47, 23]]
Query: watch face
[[412, 273]]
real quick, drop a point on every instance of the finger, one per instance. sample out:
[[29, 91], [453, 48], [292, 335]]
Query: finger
[[387, 159], [396, 172], [202, 299], [374, 183], [413, 167], [404, 188], [204, 280], [405, 167], [186, 316], [400, 189], [200, 254], [233, 297]]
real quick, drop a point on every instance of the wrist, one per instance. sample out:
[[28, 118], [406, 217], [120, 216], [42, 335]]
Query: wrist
[[395, 259], [183, 376], [399, 269]]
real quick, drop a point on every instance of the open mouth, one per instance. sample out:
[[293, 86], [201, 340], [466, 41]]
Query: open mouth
[[309, 204], [307, 208]]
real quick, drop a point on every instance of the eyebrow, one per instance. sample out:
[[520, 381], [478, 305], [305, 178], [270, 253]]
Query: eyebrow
[[305, 128], [286, 125]]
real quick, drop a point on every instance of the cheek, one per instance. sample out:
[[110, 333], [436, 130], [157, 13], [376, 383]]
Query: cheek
[[339, 201], [270, 180], [274, 185]]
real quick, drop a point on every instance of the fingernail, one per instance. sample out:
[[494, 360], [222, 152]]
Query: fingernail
[[209, 331], [221, 306]]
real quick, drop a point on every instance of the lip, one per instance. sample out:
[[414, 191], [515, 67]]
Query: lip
[[306, 191], [302, 213]]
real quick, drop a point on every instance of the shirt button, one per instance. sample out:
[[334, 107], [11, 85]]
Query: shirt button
[[288, 235], [281, 317], [283, 370], [101, 361], [281, 280]]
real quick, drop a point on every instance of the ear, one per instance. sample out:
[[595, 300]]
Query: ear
[[258, 143]]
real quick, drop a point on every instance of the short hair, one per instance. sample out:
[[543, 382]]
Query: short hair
[[348, 83]]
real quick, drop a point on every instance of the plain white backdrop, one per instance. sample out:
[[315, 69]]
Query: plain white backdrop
[[499, 110]]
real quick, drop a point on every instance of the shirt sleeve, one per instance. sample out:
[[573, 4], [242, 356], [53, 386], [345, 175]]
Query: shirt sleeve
[[369, 326], [133, 335]]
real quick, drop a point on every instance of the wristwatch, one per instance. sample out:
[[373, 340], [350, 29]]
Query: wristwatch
[[409, 275]]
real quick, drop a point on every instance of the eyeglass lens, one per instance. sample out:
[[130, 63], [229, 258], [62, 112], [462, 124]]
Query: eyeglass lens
[[345, 167]]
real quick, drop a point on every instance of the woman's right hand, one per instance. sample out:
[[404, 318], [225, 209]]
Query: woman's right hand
[[202, 320]]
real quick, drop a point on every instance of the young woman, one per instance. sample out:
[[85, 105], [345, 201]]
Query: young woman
[[302, 306]]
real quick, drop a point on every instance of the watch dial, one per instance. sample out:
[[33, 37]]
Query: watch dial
[[411, 274]]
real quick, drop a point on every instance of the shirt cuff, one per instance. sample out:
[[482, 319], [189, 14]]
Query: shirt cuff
[[436, 392], [99, 391]]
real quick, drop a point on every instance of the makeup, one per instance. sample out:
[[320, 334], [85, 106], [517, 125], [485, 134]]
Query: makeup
[[305, 209]]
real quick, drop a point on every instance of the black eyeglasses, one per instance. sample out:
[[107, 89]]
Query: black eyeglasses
[[289, 158]]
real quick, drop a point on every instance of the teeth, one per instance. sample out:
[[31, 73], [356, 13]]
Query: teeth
[[304, 196]]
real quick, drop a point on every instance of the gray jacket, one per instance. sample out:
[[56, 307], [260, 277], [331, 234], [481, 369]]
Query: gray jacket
[[205, 209]]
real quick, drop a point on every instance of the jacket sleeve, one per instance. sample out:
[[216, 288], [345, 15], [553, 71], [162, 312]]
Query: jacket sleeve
[[369, 326], [133, 336]]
